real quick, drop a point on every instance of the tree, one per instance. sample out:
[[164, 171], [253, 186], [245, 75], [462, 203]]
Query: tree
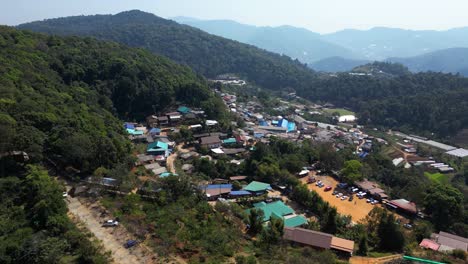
[[274, 232], [445, 204], [255, 221], [352, 171], [389, 232], [363, 248]]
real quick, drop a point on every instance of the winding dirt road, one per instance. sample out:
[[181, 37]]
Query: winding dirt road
[[120, 255]]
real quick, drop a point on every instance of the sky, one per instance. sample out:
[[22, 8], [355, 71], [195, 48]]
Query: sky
[[323, 16]]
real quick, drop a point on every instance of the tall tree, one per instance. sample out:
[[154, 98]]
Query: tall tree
[[445, 204]]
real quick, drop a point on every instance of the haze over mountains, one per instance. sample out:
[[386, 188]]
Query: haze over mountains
[[343, 50]]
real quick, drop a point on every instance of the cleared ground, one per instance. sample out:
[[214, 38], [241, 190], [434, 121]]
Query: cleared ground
[[341, 111], [358, 209], [437, 177]]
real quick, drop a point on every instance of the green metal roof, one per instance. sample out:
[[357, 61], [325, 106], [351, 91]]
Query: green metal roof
[[157, 145], [277, 209], [256, 186], [183, 110], [134, 132], [295, 221], [229, 141]]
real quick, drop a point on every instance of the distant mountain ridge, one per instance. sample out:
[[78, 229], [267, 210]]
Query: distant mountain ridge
[[453, 60], [299, 43], [342, 50]]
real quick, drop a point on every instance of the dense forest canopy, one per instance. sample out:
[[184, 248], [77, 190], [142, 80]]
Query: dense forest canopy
[[206, 54], [422, 103], [61, 97]]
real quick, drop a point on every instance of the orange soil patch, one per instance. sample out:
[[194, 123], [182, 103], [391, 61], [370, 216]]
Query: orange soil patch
[[358, 209]]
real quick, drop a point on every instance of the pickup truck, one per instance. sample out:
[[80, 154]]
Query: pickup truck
[[110, 223]]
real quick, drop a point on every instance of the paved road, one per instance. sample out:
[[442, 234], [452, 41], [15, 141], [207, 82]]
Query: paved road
[[120, 255]]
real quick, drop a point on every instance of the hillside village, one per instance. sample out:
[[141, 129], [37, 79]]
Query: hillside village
[[181, 141]]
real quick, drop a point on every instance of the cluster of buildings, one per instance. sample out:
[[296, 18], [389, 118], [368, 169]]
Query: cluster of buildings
[[445, 242]]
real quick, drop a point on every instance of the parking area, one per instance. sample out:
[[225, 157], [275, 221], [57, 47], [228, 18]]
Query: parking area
[[358, 209]]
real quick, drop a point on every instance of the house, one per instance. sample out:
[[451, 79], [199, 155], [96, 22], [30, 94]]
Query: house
[[461, 154], [211, 122], [187, 168], [210, 142], [237, 178], [155, 131], [403, 206], [212, 191], [184, 110], [158, 148], [163, 120], [174, 117], [134, 132], [449, 242], [318, 240], [152, 121], [233, 151], [229, 141], [372, 188], [279, 210], [445, 242], [144, 159], [257, 188], [239, 194]]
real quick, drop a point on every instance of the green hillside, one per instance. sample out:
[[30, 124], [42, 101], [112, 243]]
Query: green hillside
[[61, 97]]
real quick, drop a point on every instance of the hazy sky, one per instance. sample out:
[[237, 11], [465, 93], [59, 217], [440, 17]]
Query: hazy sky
[[317, 15]]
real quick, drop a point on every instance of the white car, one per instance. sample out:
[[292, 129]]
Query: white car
[[339, 195], [355, 190], [110, 223], [64, 194], [344, 197]]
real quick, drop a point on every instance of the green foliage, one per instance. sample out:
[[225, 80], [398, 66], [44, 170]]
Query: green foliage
[[352, 171], [273, 233], [61, 96], [255, 221], [389, 232], [459, 254], [445, 204], [34, 227], [363, 248]]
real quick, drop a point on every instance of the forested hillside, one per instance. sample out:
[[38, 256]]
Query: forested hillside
[[421, 103], [61, 97], [206, 54]]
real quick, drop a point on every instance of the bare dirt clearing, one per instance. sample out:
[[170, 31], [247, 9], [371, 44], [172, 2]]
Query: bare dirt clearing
[[358, 209]]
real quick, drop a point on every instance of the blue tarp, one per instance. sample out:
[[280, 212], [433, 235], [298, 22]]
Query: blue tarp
[[363, 154], [167, 174], [291, 126], [129, 125], [239, 193], [155, 131], [263, 123], [283, 123], [218, 186]]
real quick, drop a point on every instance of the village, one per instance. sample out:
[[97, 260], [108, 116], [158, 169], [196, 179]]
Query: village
[[160, 155]]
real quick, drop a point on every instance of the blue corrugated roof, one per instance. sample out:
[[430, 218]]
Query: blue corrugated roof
[[134, 132], [263, 123], [155, 130], [291, 126], [218, 186], [241, 192], [129, 125], [158, 145], [283, 123]]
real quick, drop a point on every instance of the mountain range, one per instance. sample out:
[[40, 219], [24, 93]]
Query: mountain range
[[343, 50]]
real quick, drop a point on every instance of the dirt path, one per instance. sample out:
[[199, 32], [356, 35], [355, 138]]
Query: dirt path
[[171, 159], [120, 255], [366, 260]]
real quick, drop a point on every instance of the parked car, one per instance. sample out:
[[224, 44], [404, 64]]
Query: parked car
[[110, 223], [311, 180], [355, 190], [374, 202], [130, 243], [342, 185], [64, 194], [344, 197], [328, 188], [318, 183], [368, 200], [335, 192], [321, 185], [351, 198], [407, 226], [339, 195]]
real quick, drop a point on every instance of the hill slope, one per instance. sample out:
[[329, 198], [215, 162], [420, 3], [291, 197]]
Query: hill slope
[[299, 43], [60, 97], [206, 54], [336, 64], [380, 43], [448, 60]]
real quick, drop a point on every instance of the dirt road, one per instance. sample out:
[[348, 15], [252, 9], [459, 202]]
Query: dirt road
[[120, 255], [171, 159], [358, 209], [366, 260]]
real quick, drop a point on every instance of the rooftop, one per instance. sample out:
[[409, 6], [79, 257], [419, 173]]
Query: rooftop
[[210, 140], [460, 153], [277, 209], [256, 186]]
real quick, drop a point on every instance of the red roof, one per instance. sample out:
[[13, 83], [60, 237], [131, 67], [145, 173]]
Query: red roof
[[429, 244], [404, 205]]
